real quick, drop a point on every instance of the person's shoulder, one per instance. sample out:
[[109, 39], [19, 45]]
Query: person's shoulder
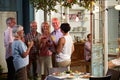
[[62, 38], [16, 42]]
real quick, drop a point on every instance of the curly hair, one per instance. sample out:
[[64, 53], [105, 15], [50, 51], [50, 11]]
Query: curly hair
[[65, 27]]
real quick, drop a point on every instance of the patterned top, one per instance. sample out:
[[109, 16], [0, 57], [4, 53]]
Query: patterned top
[[35, 48], [45, 46]]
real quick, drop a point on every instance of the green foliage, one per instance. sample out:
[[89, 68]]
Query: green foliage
[[85, 4], [45, 5], [69, 4], [49, 5]]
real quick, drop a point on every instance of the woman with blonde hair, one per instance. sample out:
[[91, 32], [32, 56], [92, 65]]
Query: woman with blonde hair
[[45, 54]]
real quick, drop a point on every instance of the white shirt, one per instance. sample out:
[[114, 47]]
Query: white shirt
[[66, 52], [8, 39]]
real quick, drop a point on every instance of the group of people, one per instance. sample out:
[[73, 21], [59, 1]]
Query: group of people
[[50, 49]]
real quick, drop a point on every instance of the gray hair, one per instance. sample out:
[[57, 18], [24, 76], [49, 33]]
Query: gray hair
[[8, 20], [16, 29]]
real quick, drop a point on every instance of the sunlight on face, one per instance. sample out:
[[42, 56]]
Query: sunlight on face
[[45, 28], [55, 23]]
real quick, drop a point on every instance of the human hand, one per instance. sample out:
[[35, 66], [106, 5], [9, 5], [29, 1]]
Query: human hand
[[53, 38], [30, 44]]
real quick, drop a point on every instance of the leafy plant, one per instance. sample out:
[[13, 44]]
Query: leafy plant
[[45, 5], [49, 5]]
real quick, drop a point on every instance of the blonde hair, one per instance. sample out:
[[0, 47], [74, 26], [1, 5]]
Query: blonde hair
[[43, 24]]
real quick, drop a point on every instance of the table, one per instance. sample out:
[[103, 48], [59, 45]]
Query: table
[[51, 77]]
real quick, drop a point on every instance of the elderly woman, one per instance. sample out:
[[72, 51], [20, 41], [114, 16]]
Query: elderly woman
[[20, 53], [45, 53]]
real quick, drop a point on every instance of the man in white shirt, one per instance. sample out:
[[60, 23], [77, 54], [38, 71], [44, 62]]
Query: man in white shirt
[[8, 39]]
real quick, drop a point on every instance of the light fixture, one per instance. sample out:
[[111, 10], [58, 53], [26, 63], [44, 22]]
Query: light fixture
[[77, 18], [117, 7], [63, 16]]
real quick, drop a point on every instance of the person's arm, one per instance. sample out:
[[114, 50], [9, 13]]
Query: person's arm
[[30, 44], [73, 48], [60, 45]]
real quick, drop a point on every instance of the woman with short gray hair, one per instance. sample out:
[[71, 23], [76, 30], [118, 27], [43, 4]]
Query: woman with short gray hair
[[20, 53]]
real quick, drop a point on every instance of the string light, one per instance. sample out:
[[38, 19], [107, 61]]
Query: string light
[[117, 7], [77, 18], [63, 16]]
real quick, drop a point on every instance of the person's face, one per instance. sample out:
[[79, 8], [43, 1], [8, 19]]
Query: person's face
[[34, 26], [21, 33], [90, 38], [45, 28], [55, 24], [13, 23]]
